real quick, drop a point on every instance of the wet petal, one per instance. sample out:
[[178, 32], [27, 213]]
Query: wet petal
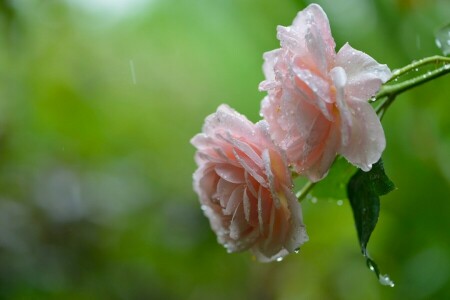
[[314, 31], [227, 119], [364, 74], [321, 167], [367, 140], [230, 173], [234, 200], [270, 59], [339, 78]]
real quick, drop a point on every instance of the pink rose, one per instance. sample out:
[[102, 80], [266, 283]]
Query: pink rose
[[317, 104], [245, 187]]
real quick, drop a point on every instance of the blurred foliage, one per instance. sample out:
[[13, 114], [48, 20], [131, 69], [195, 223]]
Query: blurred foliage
[[97, 107]]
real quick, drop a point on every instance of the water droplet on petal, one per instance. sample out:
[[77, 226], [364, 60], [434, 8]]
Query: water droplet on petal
[[203, 207]]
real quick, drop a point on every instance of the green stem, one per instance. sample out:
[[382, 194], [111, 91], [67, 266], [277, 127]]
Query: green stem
[[305, 190], [396, 89], [389, 92], [422, 62]]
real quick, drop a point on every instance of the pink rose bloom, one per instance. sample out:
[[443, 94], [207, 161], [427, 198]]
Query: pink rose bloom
[[317, 104], [245, 187]]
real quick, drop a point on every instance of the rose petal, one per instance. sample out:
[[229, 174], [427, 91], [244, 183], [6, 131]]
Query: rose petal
[[270, 59], [339, 78], [367, 140], [230, 173], [234, 200], [227, 119], [364, 74], [320, 168], [297, 233], [314, 30]]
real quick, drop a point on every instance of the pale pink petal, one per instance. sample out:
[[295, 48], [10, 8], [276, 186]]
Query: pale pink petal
[[223, 192], [316, 91], [245, 148], [320, 168], [264, 207], [247, 206], [227, 119], [367, 140], [270, 59], [250, 167], [202, 141], [205, 181], [270, 248], [297, 232], [270, 177], [364, 74], [238, 224], [251, 183], [230, 173], [313, 31], [339, 78], [307, 147], [234, 200]]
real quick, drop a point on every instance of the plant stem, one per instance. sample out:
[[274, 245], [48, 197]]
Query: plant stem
[[305, 190], [396, 89], [413, 66], [389, 92]]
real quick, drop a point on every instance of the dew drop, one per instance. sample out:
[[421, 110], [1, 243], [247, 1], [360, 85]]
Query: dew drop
[[279, 259], [203, 207], [385, 280], [296, 251], [340, 202], [314, 200], [442, 39]]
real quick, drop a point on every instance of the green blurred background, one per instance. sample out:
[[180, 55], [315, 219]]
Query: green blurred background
[[99, 100]]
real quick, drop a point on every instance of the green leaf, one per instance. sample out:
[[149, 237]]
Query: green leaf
[[333, 186], [363, 190]]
